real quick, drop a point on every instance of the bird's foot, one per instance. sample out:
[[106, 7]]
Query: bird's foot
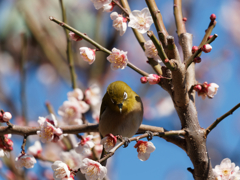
[[126, 141], [150, 135], [119, 137]]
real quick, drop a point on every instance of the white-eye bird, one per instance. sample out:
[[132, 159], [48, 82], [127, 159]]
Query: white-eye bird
[[121, 111]]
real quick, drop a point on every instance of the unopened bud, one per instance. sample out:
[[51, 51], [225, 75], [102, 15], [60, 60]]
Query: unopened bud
[[197, 60], [206, 48], [184, 19], [197, 87], [6, 116], [209, 37], [143, 80], [194, 49], [213, 17], [166, 60]]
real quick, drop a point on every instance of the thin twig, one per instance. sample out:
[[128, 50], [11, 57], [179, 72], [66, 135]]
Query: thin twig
[[24, 144], [169, 133], [158, 21], [190, 60], [161, 52], [179, 17], [120, 6], [69, 49], [98, 46], [23, 78], [50, 108], [218, 120]]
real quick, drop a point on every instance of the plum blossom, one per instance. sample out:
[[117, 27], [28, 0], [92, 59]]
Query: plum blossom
[[98, 4], [153, 79], [25, 160], [72, 159], [151, 50], [108, 142], [93, 95], [85, 146], [144, 148], [76, 93], [108, 7], [61, 171], [88, 54], [206, 90], [74, 36], [140, 20], [226, 170], [118, 59], [71, 112], [6, 145], [35, 149], [48, 130], [119, 22], [93, 170], [7, 116]]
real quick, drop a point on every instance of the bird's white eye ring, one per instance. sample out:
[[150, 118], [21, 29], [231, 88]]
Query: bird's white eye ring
[[125, 95], [112, 100]]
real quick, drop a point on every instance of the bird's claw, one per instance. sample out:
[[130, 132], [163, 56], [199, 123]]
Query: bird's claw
[[150, 135], [119, 137], [126, 142]]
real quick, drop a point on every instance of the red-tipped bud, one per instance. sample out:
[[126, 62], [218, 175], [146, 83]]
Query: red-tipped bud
[[197, 87], [194, 49], [144, 80], [209, 37], [166, 60], [184, 19], [197, 60], [213, 17], [6, 116], [206, 48]]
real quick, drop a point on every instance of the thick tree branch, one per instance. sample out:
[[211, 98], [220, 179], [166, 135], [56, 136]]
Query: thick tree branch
[[157, 18], [218, 120]]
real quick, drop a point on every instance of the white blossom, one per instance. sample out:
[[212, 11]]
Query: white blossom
[[140, 20], [85, 146], [87, 54], [25, 160], [118, 59], [151, 51], [212, 89], [119, 22], [144, 148], [108, 142], [93, 170], [35, 149], [98, 4], [61, 171]]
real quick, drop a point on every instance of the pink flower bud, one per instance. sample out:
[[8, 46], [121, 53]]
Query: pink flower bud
[[153, 79], [184, 19], [197, 60], [74, 36], [209, 37], [7, 116], [197, 87], [143, 80], [166, 60], [213, 17], [206, 48], [194, 49]]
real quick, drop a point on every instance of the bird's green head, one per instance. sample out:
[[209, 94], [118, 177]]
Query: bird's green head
[[121, 96]]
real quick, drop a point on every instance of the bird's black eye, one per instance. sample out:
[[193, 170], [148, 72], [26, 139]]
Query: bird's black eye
[[125, 95]]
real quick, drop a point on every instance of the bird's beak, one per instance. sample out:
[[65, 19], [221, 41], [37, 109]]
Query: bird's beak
[[120, 107]]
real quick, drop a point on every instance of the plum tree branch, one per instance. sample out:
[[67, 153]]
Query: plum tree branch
[[98, 46], [218, 120]]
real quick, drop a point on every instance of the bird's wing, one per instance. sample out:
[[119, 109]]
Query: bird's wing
[[103, 105]]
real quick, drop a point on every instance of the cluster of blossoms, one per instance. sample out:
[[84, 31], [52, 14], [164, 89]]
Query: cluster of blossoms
[[151, 79], [206, 90], [226, 171], [49, 130], [72, 110], [6, 145]]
